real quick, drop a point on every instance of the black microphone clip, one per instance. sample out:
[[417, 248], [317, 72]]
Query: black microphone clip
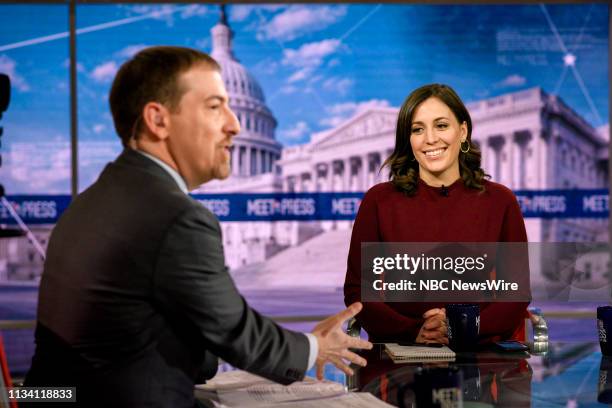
[[444, 191]]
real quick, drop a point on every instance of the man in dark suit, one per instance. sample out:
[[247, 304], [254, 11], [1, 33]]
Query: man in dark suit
[[135, 302]]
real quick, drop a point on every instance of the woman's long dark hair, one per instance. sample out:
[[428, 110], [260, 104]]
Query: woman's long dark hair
[[403, 167]]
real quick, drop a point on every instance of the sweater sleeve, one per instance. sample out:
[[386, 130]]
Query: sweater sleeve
[[506, 320], [377, 318]]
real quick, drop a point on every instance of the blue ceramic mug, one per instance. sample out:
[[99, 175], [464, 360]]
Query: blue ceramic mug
[[463, 324]]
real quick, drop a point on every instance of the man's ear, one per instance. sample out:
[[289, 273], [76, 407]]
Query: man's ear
[[156, 118]]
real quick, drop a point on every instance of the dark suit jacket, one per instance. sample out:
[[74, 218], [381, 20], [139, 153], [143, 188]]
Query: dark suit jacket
[[136, 301]]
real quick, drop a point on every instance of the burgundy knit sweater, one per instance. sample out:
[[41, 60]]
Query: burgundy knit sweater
[[433, 214]]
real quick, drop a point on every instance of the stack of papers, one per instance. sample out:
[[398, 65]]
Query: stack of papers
[[242, 389], [232, 380], [261, 395]]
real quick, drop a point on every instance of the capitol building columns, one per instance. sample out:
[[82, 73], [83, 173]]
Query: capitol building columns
[[366, 169], [318, 175], [508, 158], [522, 154], [338, 172], [346, 159], [301, 183], [353, 173], [373, 162], [363, 172], [382, 174], [355, 166], [332, 170], [495, 146], [305, 182], [235, 161], [346, 176], [250, 160]]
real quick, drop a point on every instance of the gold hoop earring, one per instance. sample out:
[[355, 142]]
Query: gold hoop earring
[[461, 146]]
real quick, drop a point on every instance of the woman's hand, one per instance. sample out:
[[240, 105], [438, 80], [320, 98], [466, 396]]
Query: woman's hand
[[433, 329]]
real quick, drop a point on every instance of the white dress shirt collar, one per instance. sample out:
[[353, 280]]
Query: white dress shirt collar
[[173, 173]]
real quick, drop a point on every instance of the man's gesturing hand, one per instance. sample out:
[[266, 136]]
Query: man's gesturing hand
[[334, 344]]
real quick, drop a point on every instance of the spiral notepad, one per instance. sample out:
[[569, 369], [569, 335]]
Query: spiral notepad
[[416, 354]]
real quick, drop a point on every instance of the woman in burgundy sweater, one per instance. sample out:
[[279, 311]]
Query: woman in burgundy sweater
[[437, 193]]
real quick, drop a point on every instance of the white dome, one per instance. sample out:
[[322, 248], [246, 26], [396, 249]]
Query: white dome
[[238, 81], [256, 147]]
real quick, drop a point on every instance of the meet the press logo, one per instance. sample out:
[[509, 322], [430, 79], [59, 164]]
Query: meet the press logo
[[447, 397], [602, 331]]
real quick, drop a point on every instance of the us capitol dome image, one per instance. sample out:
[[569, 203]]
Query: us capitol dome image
[[255, 148]]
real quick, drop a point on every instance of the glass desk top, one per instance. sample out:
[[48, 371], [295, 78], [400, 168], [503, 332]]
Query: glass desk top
[[568, 375]]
